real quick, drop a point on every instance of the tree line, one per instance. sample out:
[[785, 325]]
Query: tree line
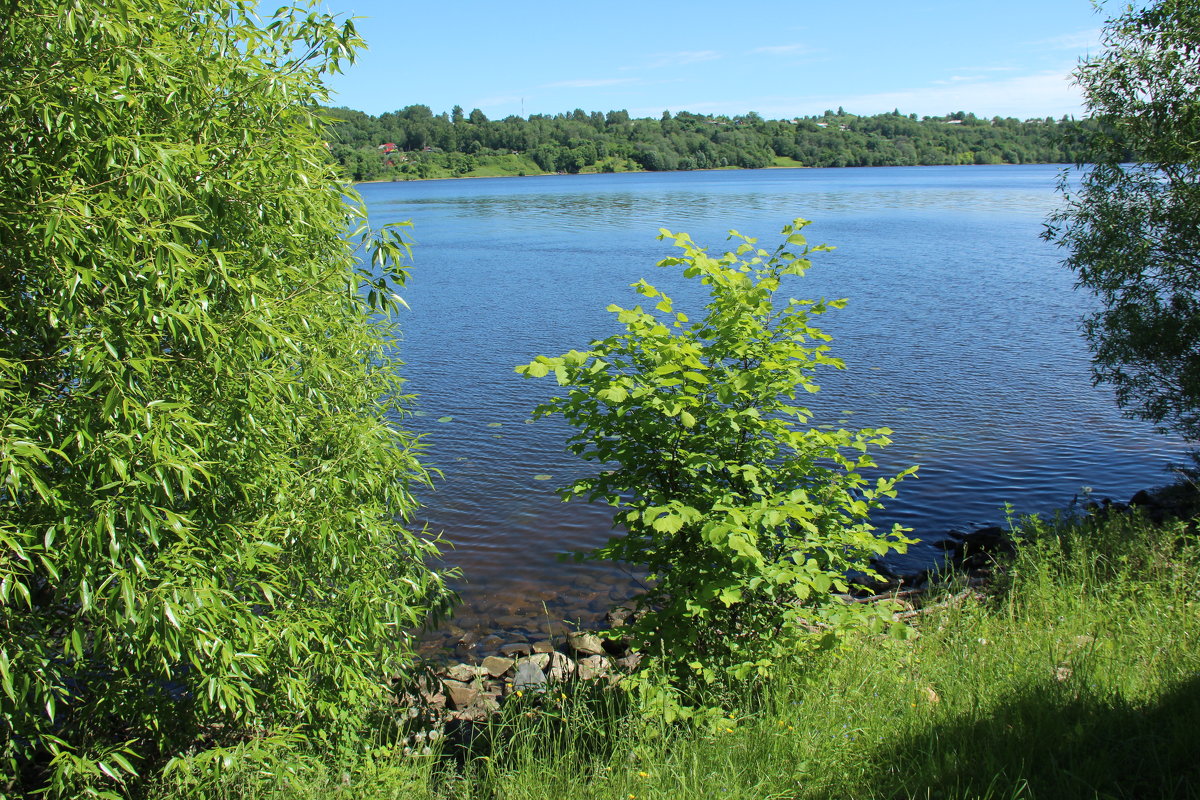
[[413, 142]]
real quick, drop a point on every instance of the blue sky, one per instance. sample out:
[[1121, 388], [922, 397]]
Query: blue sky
[[781, 59]]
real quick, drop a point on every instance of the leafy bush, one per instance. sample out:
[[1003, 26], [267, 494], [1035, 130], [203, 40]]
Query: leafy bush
[[746, 521], [201, 514]]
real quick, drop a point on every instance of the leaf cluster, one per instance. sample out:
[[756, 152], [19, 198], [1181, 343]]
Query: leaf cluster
[[202, 498], [746, 519], [1131, 223]]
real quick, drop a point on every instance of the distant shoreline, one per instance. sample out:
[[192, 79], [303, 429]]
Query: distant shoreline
[[553, 174], [707, 169]]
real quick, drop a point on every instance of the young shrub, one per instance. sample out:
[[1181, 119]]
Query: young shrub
[[202, 498], [746, 520]]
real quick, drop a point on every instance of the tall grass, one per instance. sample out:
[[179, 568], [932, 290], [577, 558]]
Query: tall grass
[[1077, 675]]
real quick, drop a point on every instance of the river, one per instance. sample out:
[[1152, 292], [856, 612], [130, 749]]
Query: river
[[961, 334]]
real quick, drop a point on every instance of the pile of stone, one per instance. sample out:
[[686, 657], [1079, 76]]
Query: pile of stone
[[473, 692]]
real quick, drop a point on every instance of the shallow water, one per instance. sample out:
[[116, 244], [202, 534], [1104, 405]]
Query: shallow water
[[962, 335]]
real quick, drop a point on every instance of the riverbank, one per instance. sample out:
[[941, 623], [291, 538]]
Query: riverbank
[[781, 162], [545, 618], [1073, 675], [525, 173]]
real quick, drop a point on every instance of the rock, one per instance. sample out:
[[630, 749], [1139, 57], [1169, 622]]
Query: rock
[[543, 647], [469, 638], [585, 643], [592, 667], [460, 697], [588, 581], [430, 649], [462, 672], [516, 649], [552, 628], [561, 668], [529, 676], [980, 547], [617, 616], [480, 710], [496, 666], [1142, 498], [598, 603], [539, 660], [630, 662]]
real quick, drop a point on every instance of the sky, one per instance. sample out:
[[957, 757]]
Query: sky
[[780, 59]]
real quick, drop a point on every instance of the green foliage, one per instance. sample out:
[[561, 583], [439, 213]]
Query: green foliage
[[1075, 678], [202, 501], [1132, 230], [442, 146], [746, 520]]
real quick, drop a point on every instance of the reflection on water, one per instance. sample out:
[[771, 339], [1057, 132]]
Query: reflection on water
[[961, 335]]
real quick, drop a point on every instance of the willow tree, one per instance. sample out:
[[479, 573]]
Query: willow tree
[[203, 493], [1131, 223]]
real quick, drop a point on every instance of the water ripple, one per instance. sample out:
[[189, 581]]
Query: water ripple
[[961, 335]]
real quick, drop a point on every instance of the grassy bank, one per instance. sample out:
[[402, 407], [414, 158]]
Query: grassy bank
[[1076, 675]]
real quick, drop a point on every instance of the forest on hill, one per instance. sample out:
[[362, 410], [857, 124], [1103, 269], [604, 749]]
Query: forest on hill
[[413, 142]]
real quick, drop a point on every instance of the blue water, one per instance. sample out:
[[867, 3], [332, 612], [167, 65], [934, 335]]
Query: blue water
[[962, 335]]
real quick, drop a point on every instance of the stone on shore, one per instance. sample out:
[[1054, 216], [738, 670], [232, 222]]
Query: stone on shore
[[460, 697], [465, 673], [584, 643], [591, 667], [516, 649], [496, 666], [529, 676]]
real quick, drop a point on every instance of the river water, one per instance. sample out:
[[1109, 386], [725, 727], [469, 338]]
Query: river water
[[961, 334]]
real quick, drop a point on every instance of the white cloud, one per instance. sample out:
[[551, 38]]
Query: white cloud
[[1050, 93], [973, 74], [1045, 94], [1080, 40]]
